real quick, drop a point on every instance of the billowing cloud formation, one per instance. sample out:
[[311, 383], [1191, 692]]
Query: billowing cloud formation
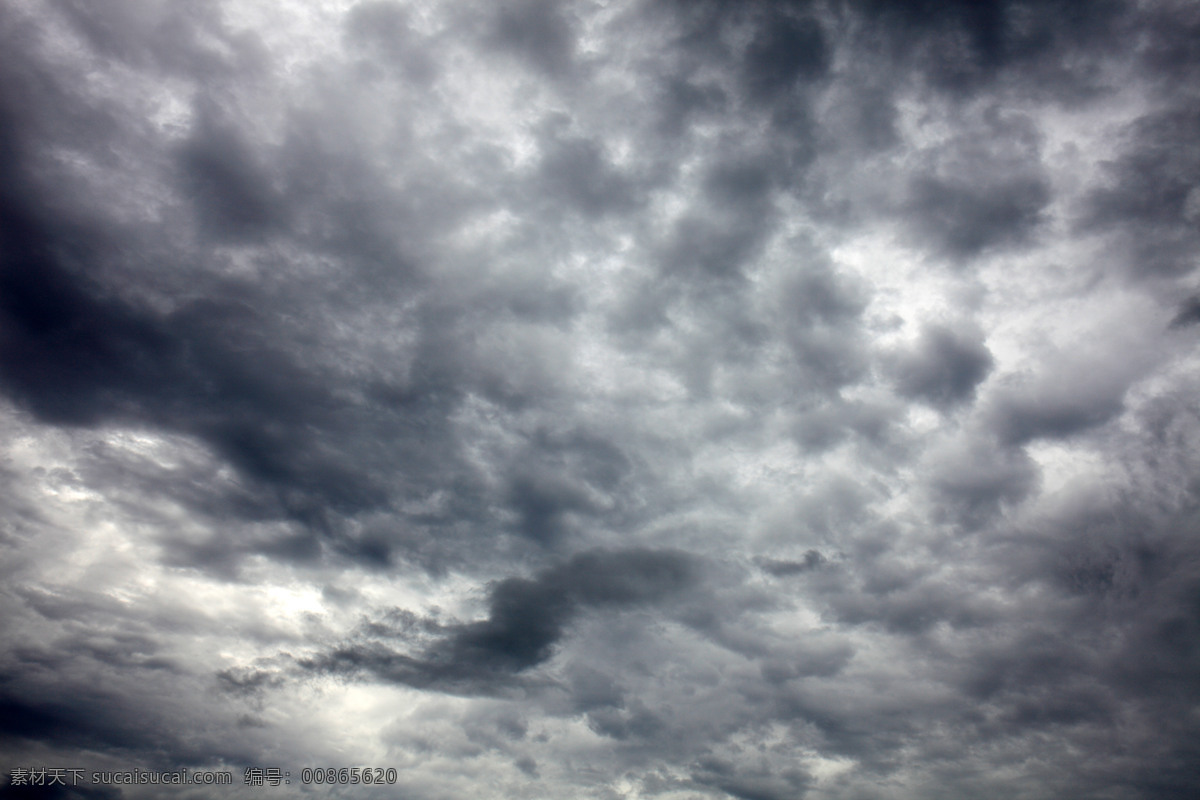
[[944, 368], [526, 619], [633, 399]]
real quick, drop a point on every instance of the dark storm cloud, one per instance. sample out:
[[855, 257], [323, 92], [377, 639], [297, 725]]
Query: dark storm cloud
[[99, 680], [637, 723], [966, 218], [177, 39], [247, 681], [726, 230], [828, 425], [562, 480], [383, 29], [232, 194], [683, 101], [944, 367], [814, 659], [1151, 197], [716, 245], [784, 50], [542, 503], [1127, 567], [782, 568], [80, 719], [63, 344], [750, 784], [1054, 408], [314, 319], [780, 44], [1170, 53], [738, 184], [821, 312], [907, 602], [965, 46], [125, 715], [536, 30], [575, 171], [124, 721], [61, 792], [527, 617], [773, 56], [862, 118], [1189, 314], [225, 364], [75, 356], [975, 478]]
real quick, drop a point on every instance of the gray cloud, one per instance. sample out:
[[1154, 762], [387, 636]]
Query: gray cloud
[[944, 368], [1150, 198], [978, 477], [723, 400], [820, 314], [786, 50], [384, 30], [962, 47], [526, 619], [537, 31], [781, 568], [1189, 314], [751, 785], [1063, 402], [966, 219]]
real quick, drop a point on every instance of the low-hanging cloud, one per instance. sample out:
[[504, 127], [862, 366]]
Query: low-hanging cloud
[[725, 400]]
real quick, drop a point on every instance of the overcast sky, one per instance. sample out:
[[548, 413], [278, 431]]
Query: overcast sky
[[609, 399]]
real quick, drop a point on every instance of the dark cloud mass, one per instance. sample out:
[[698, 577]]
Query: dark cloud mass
[[526, 618], [944, 368], [637, 399]]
